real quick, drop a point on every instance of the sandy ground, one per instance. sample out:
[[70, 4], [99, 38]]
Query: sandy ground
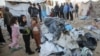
[[5, 51]]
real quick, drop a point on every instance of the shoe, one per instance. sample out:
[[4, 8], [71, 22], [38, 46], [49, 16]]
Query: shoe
[[15, 49], [30, 53], [3, 43], [38, 50]]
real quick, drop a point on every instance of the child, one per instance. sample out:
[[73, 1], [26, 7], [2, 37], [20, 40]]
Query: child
[[36, 33], [15, 33], [24, 29], [2, 41]]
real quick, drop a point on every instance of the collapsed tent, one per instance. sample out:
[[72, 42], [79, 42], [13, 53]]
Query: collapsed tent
[[77, 42]]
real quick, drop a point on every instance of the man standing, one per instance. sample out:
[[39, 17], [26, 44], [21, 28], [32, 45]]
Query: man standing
[[71, 11], [76, 10], [7, 18], [30, 10], [56, 8], [66, 11], [61, 11], [39, 8], [35, 11]]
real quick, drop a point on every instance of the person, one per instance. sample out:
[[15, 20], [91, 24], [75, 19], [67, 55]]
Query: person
[[61, 11], [44, 12], [39, 8], [66, 11], [36, 33], [52, 13], [2, 40], [35, 11], [30, 10], [76, 10], [56, 8], [71, 11], [7, 18], [24, 29], [15, 34]]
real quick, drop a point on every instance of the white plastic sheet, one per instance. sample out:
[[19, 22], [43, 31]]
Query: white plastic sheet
[[67, 42], [48, 47], [86, 52], [75, 34], [49, 36], [44, 29]]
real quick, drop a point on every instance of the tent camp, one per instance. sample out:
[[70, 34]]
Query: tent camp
[[19, 7]]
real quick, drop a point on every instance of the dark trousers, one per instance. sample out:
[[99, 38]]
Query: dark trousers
[[57, 14], [40, 16], [1, 36], [71, 15], [9, 31], [67, 15], [61, 14], [31, 33], [26, 39]]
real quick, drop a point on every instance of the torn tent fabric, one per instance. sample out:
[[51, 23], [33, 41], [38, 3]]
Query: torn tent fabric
[[67, 42], [48, 47], [75, 33]]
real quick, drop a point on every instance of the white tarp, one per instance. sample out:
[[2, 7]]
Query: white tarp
[[33, 1], [18, 9], [2, 2]]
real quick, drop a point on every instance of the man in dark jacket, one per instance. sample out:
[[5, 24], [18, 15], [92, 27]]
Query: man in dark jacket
[[56, 9], [30, 9], [35, 11], [7, 18], [39, 8], [61, 11]]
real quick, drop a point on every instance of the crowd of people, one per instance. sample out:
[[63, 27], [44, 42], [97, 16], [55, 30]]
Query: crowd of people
[[15, 26], [65, 10]]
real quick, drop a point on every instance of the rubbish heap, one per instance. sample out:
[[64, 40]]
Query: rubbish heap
[[55, 43]]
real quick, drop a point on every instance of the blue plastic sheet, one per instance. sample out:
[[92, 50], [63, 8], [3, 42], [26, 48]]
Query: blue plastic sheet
[[68, 27]]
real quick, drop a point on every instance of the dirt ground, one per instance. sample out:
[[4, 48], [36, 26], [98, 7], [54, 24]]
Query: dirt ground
[[5, 51]]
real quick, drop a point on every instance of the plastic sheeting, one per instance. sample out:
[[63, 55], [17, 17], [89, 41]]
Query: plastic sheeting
[[75, 33], [86, 52], [19, 9], [68, 27], [33, 1], [48, 47], [67, 42]]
